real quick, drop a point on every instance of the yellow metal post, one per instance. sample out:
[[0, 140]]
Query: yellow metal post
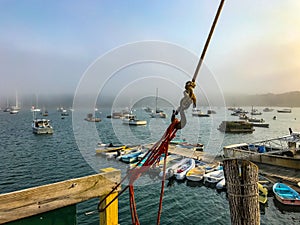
[[110, 215]]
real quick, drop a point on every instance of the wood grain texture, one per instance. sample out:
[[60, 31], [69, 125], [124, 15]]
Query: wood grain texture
[[32, 201], [242, 189]]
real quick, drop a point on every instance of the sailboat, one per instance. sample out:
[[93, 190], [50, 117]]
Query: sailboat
[[7, 108], [15, 109], [35, 108], [157, 113]]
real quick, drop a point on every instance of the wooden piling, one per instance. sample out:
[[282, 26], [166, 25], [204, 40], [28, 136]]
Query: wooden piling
[[242, 189]]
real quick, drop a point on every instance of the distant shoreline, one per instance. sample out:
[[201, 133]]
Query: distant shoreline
[[286, 100]]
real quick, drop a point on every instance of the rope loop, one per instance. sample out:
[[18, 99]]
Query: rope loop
[[241, 185]]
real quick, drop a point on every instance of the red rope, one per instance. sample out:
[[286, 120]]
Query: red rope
[[153, 156]]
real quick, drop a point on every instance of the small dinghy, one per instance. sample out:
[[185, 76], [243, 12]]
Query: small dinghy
[[104, 148], [179, 169], [286, 195], [210, 167], [132, 156], [195, 174], [221, 184], [214, 177], [263, 193], [181, 172]]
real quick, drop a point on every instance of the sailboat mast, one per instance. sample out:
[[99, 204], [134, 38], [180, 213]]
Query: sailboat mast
[[156, 100], [17, 100]]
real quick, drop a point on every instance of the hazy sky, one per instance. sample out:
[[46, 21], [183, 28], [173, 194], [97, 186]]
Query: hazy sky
[[46, 46]]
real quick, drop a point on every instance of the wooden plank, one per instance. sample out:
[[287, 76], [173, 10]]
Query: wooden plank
[[190, 153], [32, 201]]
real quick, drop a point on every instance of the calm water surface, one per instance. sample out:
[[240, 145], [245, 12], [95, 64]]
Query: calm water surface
[[29, 160]]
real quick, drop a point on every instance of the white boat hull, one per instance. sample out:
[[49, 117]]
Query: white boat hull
[[41, 126], [196, 174], [221, 184], [42, 130], [214, 177], [181, 171]]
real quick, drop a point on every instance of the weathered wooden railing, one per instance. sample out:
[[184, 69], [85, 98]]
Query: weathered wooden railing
[[38, 200]]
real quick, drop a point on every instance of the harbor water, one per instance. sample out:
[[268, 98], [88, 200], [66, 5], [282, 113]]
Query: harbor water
[[29, 160]]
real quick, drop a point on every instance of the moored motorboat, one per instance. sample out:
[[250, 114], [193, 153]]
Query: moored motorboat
[[130, 119], [268, 109], [255, 120], [91, 118], [199, 113], [265, 125], [158, 115], [255, 112], [41, 126], [238, 111], [210, 111], [243, 116], [45, 113], [284, 110], [64, 113], [286, 195]]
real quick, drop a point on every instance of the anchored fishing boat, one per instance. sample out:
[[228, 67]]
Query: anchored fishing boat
[[283, 151]]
